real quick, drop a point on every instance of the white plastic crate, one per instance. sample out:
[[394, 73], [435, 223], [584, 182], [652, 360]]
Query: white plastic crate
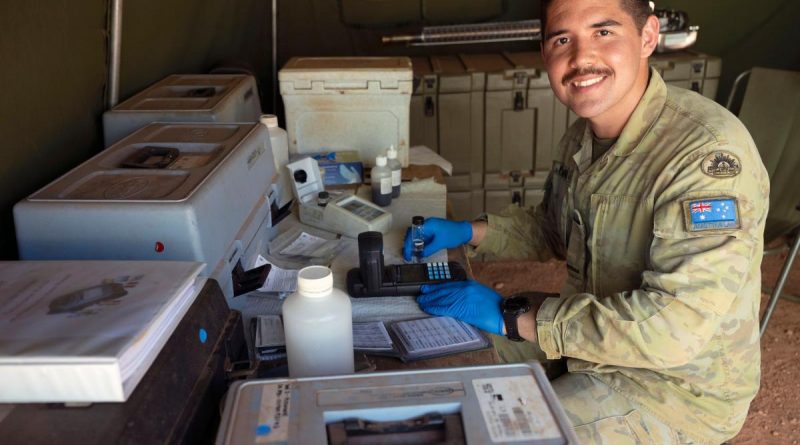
[[478, 402], [185, 98], [348, 103], [209, 205]]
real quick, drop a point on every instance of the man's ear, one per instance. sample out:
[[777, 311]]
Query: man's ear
[[650, 32]]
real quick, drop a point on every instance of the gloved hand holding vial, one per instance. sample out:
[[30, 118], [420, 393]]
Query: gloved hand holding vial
[[436, 234]]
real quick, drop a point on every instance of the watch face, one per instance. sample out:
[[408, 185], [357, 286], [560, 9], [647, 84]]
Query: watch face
[[516, 304]]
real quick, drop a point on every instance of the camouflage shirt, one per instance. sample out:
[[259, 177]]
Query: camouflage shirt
[[663, 238]]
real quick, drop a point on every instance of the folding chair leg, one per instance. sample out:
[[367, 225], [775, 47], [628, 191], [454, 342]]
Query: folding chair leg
[[776, 293]]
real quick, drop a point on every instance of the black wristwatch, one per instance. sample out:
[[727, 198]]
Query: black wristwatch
[[512, 308]]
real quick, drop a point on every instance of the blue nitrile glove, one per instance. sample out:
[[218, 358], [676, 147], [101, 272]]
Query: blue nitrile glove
[[439, 234], [468, 301]]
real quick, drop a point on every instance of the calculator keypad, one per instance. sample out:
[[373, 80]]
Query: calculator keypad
[[438, 271]]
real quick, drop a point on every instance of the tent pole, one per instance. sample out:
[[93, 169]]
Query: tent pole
[[114, 49]]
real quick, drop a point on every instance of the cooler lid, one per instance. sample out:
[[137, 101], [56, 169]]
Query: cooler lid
[[160, 162], [184, 92], [486, 63], [389, 71]]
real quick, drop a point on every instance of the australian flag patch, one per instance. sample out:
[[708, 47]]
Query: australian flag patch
[[711, 214]]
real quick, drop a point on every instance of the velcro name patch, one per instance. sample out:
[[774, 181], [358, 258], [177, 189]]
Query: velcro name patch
[[711, 214]]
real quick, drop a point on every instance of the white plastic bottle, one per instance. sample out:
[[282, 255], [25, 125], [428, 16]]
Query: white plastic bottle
[[381, 182], [397, 171], [280, 153], [318, 323]]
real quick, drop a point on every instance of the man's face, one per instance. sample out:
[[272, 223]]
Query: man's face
[[596, 56]]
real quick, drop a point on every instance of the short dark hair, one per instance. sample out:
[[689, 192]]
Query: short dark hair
[[639, 10]]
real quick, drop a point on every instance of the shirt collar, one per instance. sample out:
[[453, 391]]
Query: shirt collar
[[639, 124], [644, 116]]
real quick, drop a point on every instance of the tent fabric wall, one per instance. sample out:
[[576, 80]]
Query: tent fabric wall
[[190, 36], [745, 34], [53, 71], [53, 75]]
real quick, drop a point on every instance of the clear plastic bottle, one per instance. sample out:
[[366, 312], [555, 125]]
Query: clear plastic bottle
[[318, 323], [279, 141], [417, 239], [381, 182], [397, 171]]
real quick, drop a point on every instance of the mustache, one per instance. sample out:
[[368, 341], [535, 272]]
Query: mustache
[[584, 71]]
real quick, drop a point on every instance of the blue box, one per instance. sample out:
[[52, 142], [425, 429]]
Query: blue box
[[338, 167]]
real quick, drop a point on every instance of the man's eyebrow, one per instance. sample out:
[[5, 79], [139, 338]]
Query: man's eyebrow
[[606, 23], [552, 34]]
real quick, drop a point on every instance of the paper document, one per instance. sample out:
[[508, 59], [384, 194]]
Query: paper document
[[270, 343], [269, 332], [304, 245], [371, 336], [436, 333], [278, 280], [422, 155]]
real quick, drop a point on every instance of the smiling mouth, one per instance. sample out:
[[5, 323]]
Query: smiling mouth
[[588, 82]]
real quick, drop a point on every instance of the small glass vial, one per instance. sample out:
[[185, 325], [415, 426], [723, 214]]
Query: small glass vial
[[322, 198], [397, 171], [417, 239], [381, 182]]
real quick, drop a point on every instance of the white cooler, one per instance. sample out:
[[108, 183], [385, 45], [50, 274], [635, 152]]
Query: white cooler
[[210, 204], [185, 98], [348, 103]]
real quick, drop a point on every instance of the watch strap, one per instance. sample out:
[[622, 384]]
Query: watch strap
[[511, 317]]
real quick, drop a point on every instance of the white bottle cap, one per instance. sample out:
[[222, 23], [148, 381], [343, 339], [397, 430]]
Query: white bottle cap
[[314, 281], [391, 153], [380, 161], [270, 120]]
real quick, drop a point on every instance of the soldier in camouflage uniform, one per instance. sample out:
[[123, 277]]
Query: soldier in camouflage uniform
[[660, 221]]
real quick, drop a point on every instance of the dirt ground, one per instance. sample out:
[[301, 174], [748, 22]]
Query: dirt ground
[[774, 416]]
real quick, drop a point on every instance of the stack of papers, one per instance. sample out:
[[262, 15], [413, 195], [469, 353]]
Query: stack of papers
[[270, 342], [302, 245], [418, 339], [87, 331]]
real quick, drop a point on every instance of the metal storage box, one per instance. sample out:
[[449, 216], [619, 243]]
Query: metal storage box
[[210, 204], [524, 123], [461, 91], [486, 404], [185, 98], [348, 103], [424, 124], [693, 71], [496, 119]]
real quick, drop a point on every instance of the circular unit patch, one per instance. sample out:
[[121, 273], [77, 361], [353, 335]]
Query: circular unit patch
[[721, 164]]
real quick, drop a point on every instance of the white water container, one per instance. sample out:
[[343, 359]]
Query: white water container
[[280, 153], [318, 323]]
